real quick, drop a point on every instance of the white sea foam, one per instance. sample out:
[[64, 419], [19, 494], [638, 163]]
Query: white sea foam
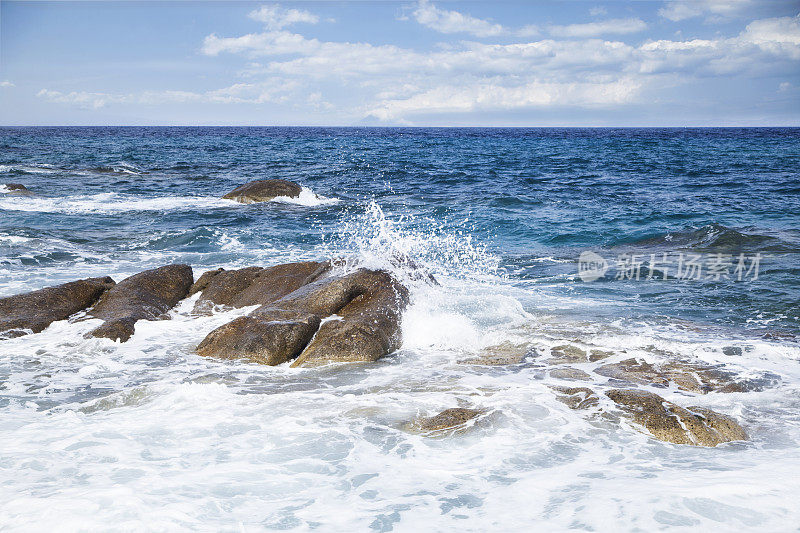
[[147, 435], [308, 198], [110, 203]]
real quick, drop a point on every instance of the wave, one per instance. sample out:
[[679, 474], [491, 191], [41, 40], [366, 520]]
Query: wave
[[306, 198], [111, 203], [718, 238], [29, 169]]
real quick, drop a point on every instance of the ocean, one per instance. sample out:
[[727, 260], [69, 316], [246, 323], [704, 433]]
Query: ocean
[[663, 244]]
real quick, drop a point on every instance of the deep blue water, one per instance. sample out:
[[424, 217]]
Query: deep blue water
[[533, 198]]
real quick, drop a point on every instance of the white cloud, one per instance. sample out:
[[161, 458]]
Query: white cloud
[[495, 95], [445, 21], [6, 83], [275, 17], [239, 93], [597, 11], [393, 83], [595, 29], [715, 10]]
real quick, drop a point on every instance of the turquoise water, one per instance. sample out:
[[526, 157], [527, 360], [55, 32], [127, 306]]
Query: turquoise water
[[147, 434]]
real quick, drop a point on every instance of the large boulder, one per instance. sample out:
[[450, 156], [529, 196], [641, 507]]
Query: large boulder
[[143, 296], [263, 191], [668, 422], [36, 310], [254, 285], [352, 317]]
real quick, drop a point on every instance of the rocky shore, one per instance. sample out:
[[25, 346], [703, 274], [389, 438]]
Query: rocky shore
[[312, 313]]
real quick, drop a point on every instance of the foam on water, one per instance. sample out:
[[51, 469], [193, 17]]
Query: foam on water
[[147, 435], [112, 203]]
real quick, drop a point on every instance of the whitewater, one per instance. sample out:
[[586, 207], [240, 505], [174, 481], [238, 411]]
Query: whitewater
[[147, 435]]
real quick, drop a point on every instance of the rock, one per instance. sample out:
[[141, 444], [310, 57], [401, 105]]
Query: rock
[[506, 353], [732, 350], [269, 340], [448, 419], [369, 327], [568, 353], [354, 317], [668, 422], [18, 189], [263, 191], [254, 285], [38, 309], [577, 397], [568, 372], [693, 378], [143, 296]]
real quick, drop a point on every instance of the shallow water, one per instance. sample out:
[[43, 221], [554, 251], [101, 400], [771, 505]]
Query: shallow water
[[146, 435]]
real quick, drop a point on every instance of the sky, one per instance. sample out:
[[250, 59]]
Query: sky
[[401, 63]]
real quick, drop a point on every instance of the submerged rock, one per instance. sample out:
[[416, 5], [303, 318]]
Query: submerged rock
[[263, 191], [354, 317], [668, 422], [577, 397], [568, 372], [143, 296], [448, 419], [36, 310], [506, 353], [254, 285], [688, 377], [568, 353]]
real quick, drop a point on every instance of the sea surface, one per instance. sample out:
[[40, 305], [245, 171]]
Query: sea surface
[[146, 435]]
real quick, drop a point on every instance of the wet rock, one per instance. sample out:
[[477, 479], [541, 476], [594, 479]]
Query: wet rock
[[668, 422], [267, 339], [568, 372], [17, 189], [570, 354], [263, 191], [506, 353], [693, 378], [254, 285], [732, 350], [448, 419], [577, 397], [349, 318], [36, 310], [143, 296]]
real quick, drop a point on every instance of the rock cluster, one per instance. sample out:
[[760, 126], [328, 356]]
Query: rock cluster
[[306, 312], [315, 319]]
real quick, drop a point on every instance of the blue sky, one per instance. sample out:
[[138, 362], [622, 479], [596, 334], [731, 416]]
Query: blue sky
[[438, 63]]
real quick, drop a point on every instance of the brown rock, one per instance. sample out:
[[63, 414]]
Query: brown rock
[[568, 372], [38, 309], [367, 305], [18, 189], [668, 422], [143, 296], [254, 285], [506, 353], [570, 354], [446, 420], [577, 397], [263, 191], [370, 321], [688, 377]]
